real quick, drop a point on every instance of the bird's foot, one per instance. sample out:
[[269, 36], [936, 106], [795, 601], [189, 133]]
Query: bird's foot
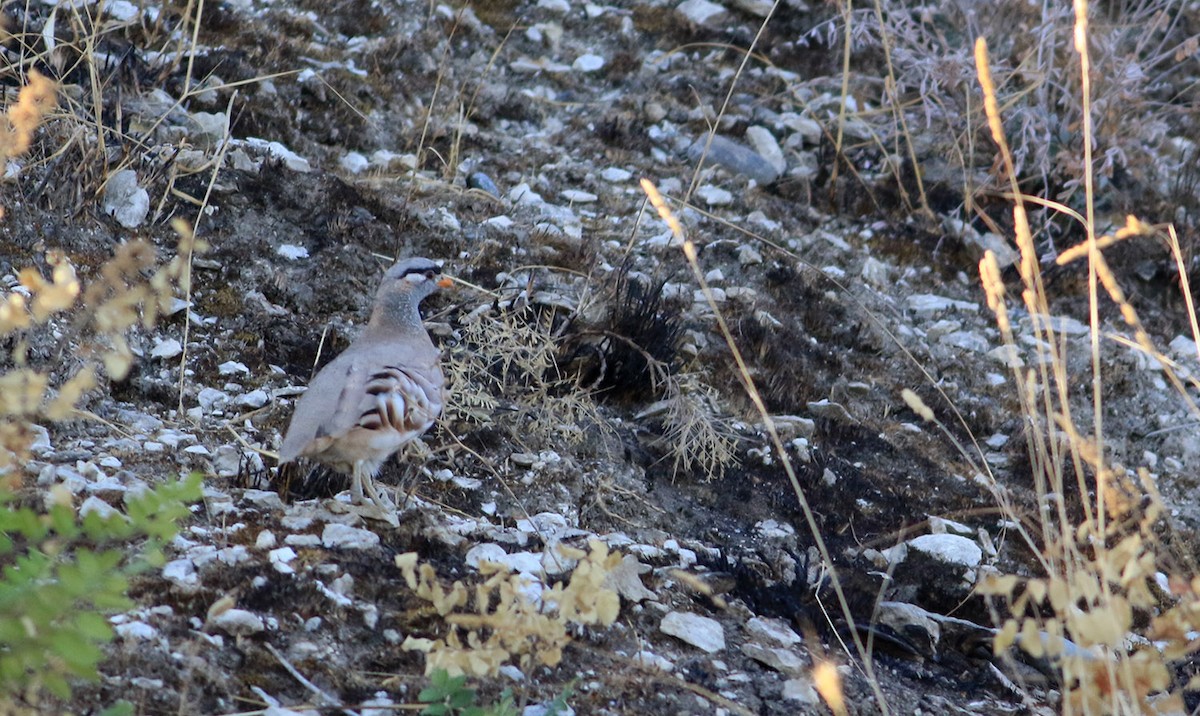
[[369, 511]]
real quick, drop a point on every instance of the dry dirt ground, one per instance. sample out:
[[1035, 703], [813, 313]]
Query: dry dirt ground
[[508, 141]]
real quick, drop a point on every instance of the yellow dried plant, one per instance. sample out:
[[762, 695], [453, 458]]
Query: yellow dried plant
[[35, 100], [119, 299], [508, 622]]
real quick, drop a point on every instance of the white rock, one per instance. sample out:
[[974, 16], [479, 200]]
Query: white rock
[[875, 272], [801, 689], [238, 622], [292, 252], [909, 619], [807, 130], [41, 440], [230, 367], [486, 552], [578, 197], [949, 548], [718, 295], [263, 499], [208, 128], [616, 175], [304, 540], [654, 661], [99, 506], [280, 559], [774, 630], [703, 12], [254, 399], [181, 572], [522, 562], [227, 461], [714, 196], [966, 341], [354, 163], [626, 580], [290, 159], [124, 200], [782, 660], [1183, 347], [139, 630], [748, 256], [266, 540], [701, 632], [122, 11], [763, 142], [211, 398], [761, 8], [524, 194], [347, 537], [929, 303], [166, 349], [588, 63]]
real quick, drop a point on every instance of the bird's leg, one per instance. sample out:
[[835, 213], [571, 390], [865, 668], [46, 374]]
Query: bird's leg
[[365, 500], [356, 484], [373, 493]]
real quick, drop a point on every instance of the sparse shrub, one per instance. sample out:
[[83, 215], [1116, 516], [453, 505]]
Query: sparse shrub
[[696, 435], [507, 361], [633, 355], [63, 572], [508, 622]]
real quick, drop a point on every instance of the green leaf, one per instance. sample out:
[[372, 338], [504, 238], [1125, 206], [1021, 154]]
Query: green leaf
[[434, 710], [462, 698], [56, 684], [121, 708], [93, 626], [62, 520]]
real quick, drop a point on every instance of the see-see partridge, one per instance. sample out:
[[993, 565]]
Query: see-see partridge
[[380, 393]]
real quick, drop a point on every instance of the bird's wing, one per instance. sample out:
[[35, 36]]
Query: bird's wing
[[373, 388]]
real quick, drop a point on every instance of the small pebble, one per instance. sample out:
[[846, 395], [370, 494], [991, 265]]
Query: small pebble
[[714, 196], [701, 632], [588, 63], [766, 146], [238, 622], [703, 12], [231, 367], [354, 163], [483, 182], [337, 536], [166, 349], [254, 399], [577, 197], [616, 175]]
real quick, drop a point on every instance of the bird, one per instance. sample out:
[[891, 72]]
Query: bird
[[383, 391]]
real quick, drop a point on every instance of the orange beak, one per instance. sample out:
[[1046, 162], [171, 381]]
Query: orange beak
[[445, 282]]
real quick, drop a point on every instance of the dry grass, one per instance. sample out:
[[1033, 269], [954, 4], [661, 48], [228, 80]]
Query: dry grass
[[925, 112], [1100, 565], [507, 362]]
